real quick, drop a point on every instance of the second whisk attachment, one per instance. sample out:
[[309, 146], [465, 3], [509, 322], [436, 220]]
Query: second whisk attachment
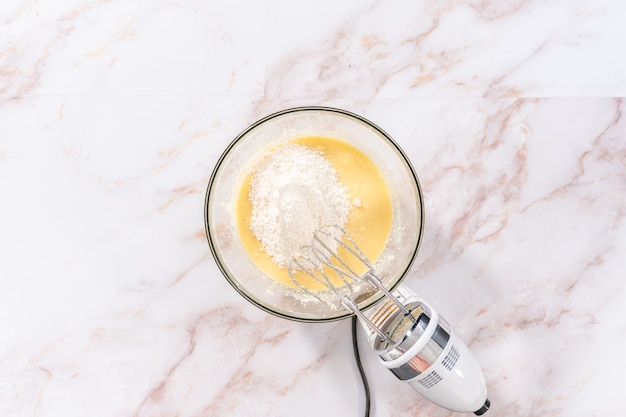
[[407, 334], [336, 262]]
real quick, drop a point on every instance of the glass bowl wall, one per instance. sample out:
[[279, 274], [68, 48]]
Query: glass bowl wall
[[245, 149]]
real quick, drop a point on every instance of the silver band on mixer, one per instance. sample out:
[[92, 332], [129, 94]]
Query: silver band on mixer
[[432, 348]]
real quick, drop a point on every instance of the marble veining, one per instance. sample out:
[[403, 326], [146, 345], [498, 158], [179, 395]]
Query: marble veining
[[113, 114]]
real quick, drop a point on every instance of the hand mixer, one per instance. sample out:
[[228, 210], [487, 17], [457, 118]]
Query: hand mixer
[[408, 335]]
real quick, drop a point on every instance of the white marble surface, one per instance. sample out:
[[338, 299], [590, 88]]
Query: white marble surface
[[113, 113]]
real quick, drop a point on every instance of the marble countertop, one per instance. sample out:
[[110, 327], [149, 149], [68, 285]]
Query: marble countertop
[[113, 114]]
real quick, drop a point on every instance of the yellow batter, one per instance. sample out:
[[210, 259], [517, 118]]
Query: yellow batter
[[369, 222]]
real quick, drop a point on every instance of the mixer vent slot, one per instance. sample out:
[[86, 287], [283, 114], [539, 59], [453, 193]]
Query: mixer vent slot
[[431, 380], [450, 360]]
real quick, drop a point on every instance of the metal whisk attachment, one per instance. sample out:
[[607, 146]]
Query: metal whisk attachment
[[332, 260]]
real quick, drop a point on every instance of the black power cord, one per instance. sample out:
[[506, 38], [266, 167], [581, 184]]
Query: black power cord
[[357, 358]]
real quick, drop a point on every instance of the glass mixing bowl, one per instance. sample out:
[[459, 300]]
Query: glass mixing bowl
[[223, 188]]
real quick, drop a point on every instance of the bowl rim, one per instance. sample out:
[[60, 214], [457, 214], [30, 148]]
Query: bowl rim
[[215, 252]]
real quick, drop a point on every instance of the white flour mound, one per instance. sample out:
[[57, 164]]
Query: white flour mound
[[294, 190]]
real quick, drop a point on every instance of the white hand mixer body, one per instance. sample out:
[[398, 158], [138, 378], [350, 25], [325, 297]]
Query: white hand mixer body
[[407, 334], [429, 356]]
